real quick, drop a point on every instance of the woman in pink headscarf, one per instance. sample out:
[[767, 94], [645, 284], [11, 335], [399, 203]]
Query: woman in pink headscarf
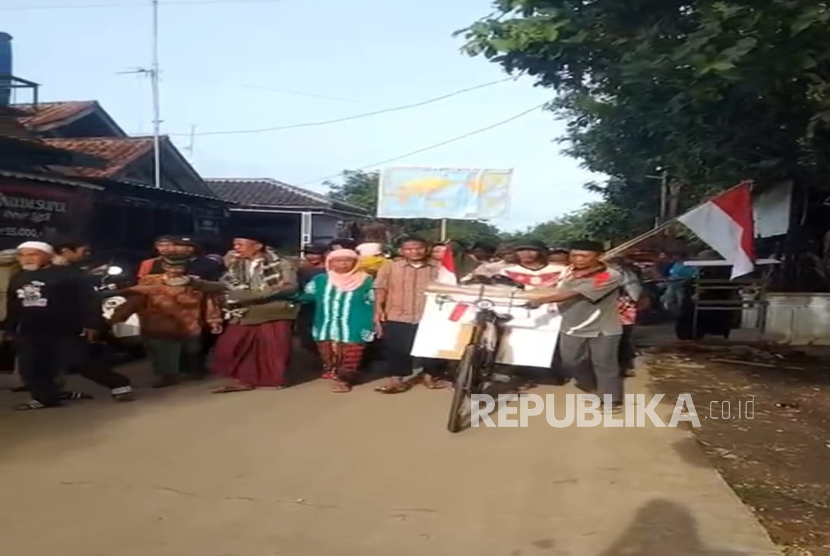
[[343, 317]]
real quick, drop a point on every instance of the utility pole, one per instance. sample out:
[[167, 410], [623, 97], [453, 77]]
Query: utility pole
[[154, 75], [664, 194], [663, 209], [674, 197]]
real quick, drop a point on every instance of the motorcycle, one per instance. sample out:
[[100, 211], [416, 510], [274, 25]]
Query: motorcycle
[[110, 288]]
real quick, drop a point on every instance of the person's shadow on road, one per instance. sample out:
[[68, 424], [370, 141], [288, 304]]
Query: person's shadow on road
[[663, 528]]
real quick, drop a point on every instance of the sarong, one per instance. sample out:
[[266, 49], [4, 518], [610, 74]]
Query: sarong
[[341, 359], [256, 355]]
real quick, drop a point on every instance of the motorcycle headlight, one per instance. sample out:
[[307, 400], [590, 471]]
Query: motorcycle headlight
[[484, 304]]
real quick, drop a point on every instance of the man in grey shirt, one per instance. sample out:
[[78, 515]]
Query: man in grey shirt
[[589, 340]]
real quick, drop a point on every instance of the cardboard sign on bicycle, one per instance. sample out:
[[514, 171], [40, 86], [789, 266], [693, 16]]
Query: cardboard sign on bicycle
[[445, 329]]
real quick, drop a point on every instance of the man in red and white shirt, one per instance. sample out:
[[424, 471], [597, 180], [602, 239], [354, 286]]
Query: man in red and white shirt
[[532, 268]]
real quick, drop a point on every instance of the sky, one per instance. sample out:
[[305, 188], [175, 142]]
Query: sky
[[221, 61]]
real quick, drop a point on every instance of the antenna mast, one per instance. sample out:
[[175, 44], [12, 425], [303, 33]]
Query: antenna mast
[[191, 146], [154, 75]]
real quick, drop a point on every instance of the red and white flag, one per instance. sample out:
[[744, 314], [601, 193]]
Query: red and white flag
[[726, 224], [447, 270], [448, 274]]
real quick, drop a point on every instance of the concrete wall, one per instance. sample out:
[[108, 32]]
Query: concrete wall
[[798, 319]]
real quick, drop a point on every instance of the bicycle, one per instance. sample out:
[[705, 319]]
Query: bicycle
[[478, 362]]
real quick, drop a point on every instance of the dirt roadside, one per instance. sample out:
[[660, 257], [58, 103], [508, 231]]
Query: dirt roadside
[[774, 451]]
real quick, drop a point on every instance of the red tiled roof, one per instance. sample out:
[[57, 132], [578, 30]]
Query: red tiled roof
[[118, 152], [46, 115]]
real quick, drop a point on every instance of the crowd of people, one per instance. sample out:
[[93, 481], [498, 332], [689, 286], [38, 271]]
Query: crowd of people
[[353, 306]]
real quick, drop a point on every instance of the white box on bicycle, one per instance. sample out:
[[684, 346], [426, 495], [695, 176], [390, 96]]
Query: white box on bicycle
[[445, 329]]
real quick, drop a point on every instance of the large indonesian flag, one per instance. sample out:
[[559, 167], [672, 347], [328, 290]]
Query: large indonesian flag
[[726, 224]]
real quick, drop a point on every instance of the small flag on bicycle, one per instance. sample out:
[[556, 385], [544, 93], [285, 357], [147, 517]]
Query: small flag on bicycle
[[458, 311]]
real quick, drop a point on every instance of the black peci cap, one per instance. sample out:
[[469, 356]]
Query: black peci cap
[[587, 245], [186, 241], [315, 249], [531, 245], [253, 236]]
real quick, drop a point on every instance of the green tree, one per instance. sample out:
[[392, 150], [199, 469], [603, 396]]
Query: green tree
[[360, 188], [467, 232], [710, 91], [601, 221]]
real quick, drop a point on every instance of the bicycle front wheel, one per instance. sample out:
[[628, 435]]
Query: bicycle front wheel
[[463, 387]]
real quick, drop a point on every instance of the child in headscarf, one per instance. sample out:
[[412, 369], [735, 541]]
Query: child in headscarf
[[343, 298]]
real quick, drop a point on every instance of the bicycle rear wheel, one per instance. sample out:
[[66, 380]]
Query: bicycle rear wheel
[[463, 387]]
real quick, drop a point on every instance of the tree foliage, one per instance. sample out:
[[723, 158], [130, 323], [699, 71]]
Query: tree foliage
[[710, 91], [602, 221], [357, 188], [361, 189]]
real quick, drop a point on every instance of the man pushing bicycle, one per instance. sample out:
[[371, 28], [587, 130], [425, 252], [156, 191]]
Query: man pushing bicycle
[[587, 296]]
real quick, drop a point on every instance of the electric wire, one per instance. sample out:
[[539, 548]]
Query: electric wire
[[429, 148], [352, 117]]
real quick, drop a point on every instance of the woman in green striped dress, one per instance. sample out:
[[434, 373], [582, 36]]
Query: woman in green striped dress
[[344, 321]]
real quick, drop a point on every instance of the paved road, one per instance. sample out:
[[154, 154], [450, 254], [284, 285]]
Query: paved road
[[307, 472]]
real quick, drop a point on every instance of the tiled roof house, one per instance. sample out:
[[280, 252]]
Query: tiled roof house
[[292, 215]]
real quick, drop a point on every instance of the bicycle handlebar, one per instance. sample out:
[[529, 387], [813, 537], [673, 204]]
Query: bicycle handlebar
[[489, 292]]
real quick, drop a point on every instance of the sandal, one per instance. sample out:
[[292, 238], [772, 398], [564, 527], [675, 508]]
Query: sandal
[[31, 405], [394, 387], [328, 375], [73, 395], [123, 394], [340, 387], [436, 383], [232, 388]]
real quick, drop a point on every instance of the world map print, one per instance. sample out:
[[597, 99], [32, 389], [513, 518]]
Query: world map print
[[458, 194]]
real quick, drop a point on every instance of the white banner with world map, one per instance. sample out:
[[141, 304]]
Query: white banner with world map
[[451, 193]]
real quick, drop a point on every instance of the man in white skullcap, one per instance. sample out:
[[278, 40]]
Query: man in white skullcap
[[33, 255], [52, 314]]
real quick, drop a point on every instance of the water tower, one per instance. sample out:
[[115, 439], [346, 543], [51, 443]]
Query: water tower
[[8, 82]]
